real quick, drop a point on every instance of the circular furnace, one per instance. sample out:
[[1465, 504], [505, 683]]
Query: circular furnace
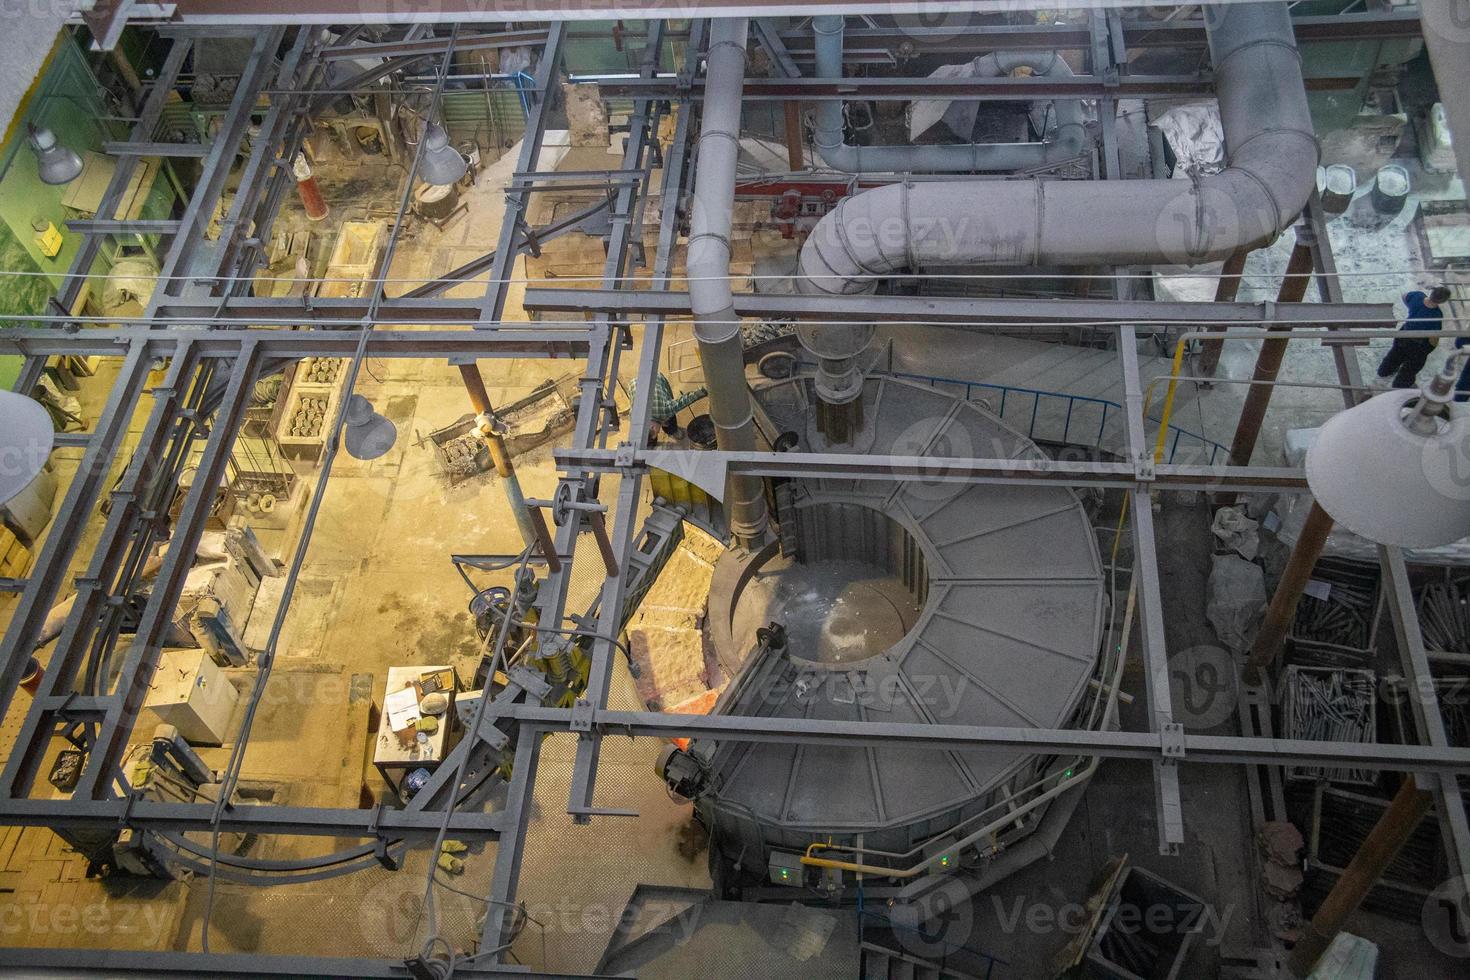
[[920, 602]]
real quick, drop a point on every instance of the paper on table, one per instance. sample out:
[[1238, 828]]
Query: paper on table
[[402, 707]]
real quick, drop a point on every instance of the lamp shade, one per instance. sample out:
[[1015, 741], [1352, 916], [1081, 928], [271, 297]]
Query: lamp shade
[[1390, 483], [26, 438], [55, 163], [440, 163], [368, 435]]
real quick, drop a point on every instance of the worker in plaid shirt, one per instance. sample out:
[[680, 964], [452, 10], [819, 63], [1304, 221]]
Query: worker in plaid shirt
[[664, 408]]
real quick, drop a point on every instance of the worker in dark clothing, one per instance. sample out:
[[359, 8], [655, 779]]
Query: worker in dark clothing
[[1405, 359]]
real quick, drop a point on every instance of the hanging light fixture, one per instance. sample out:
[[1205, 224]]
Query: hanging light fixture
[[25, 448], [55, 163], [439, 163], [368, 435], [1396, 468]]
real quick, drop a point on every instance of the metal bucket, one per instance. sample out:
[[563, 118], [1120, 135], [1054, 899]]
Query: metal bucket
[[1390, 189], [1336, 184], [701, 431]]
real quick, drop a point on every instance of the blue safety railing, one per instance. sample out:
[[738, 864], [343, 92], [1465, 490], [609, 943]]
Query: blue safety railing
[[1078, 410]]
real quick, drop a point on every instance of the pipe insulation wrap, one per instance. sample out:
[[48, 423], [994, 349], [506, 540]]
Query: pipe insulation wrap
[[716, 326], [1271, 155], [828, 132]]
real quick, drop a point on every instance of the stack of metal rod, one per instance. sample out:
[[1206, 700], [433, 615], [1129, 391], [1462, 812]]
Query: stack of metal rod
[[1330, 705], [1336, 625], [1444, 614]]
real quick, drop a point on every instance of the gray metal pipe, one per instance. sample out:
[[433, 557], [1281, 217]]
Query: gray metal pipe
[[1447, 36], [716, 325], [1271, 155], [943, 158]]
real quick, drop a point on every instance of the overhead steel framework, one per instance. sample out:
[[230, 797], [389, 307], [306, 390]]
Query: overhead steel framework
[[219, 339]]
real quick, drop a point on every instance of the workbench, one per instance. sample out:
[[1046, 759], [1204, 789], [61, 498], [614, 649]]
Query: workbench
[[393, 758]]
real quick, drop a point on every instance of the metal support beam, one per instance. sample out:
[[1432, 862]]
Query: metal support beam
[[67, 527], [236, 122], [75, 283], [974, 311], [118, 148], [433, 45], [978, 89], [508, 245], [708, 468], [676, 174], [1185, 747], [131, 510], [119, 226], [307, 821], [136, 675]]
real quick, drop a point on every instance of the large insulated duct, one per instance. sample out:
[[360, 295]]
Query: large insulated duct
[[716, 327], [944, 158], [1271, 156]]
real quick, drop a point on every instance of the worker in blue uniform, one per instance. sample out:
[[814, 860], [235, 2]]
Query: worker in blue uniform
[[1406, 357]]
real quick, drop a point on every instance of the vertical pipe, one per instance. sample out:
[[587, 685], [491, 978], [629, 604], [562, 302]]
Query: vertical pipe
[[1225, 292], [1268, 362], [1449, 56], [1373, 857], [716, 326], [474, 383], [1272, 634], [794, 137]]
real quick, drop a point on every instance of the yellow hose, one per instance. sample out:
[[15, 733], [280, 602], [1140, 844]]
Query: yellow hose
[[1168, 402]]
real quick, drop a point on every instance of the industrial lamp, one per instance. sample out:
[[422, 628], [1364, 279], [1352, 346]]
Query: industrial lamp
[[25, 447], [1396, 468], [368, 435], [439, 163], [55, 163]]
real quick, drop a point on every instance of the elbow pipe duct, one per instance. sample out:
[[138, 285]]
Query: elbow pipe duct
[[1271, 155], [716, 326], [944, 158]]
